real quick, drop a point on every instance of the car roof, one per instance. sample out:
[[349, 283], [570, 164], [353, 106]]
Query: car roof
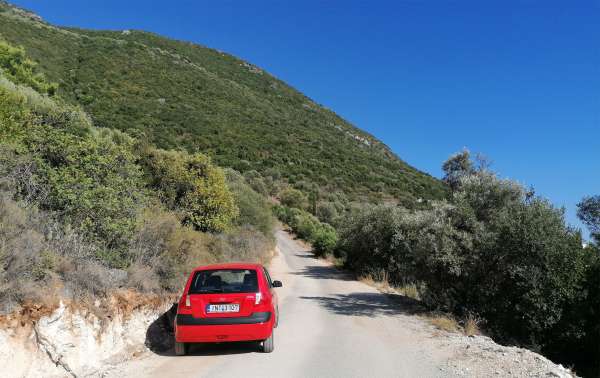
[[237, 265]]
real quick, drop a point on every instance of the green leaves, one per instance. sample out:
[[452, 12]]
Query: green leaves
[[93, 182], [308, 227], [21, 70], [291, 197], [588, 210], [192, 185]]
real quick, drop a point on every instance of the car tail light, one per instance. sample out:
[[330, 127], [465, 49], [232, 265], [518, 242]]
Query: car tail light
[[258, 298]]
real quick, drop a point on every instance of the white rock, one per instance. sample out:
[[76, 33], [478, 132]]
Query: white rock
[[69, 343]]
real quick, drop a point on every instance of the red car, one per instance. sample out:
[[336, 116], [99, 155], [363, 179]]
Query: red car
[[227, 302]]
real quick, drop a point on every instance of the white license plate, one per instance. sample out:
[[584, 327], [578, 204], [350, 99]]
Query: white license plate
[[213, 308]]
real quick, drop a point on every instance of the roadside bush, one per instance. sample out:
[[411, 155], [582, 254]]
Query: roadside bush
[[386, 238], [308, 227], [327, 212], [168, 248], [245, 244], [324, 240], [40, 258], [254, 209], [55, 160], [291, 197], [193, 185], [93, 182], [257, 182]]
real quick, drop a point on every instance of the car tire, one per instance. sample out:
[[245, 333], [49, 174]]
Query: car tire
[[180, 349], [277, 317], [269, 344]]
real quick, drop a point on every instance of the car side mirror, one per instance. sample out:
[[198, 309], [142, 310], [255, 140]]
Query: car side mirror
[[277, 284]]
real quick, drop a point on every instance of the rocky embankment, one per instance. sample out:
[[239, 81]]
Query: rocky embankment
[[480, 356], [81, 341]]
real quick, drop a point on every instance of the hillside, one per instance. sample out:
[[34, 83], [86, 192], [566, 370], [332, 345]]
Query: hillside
[[179, 94]]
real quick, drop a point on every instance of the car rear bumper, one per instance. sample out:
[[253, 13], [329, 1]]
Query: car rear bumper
[[257, 326]]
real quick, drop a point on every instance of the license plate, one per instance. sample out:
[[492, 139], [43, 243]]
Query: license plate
[[215, 308]]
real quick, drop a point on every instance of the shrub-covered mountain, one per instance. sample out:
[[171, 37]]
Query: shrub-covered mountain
[[178, 94]]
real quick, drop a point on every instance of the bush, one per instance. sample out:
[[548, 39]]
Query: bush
[[40, 259], [254, 209], [257, 182], [327, 212], [21, 70], [324, 240], [93, 182], [193, 185], [309, 228], [385, 238], [291, 197]]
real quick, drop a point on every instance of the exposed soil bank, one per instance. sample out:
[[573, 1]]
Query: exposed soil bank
[[79, 341]]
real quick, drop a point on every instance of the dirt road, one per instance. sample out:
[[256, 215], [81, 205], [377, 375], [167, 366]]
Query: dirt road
[[331, 326]]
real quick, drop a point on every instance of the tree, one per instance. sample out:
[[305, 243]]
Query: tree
[[457, 166], [588, 210]]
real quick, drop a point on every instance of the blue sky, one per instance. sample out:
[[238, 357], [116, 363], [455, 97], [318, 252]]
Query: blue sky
[[518, 81]]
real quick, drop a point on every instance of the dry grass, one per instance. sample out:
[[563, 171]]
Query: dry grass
[[444, 323], [471, 325], [368, 279], [335, 261], [410, 291], [378, 280]]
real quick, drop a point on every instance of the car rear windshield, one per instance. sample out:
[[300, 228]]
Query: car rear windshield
[[224, 281]]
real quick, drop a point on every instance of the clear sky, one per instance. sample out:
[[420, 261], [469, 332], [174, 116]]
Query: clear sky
[[518, 81]]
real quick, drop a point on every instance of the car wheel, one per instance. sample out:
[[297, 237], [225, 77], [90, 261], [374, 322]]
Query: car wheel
[[180, 349], [276, 316], [269, 344]]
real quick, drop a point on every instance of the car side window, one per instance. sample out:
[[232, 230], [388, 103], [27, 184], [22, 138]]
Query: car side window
[[268, 277]]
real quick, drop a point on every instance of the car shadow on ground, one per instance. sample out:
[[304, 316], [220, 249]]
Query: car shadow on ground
[[369, 304], [160, 340], [218, 349]]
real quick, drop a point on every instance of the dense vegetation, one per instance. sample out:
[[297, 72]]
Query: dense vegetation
[[84, 210], [493, 250], [182, 95], [306, 226]]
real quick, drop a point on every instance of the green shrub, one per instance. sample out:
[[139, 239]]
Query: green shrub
[[254, 209], [309, 228], [21, 70], [327, 212], [193, 185], [324, 240], [291, 197]]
